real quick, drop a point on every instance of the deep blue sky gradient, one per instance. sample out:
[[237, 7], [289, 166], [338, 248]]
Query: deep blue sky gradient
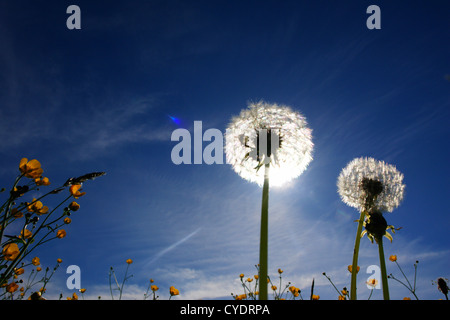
[[100, 99]]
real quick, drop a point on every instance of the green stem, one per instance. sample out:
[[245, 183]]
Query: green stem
[[401, 270], [355, 256], [263, 245], [383, 269]]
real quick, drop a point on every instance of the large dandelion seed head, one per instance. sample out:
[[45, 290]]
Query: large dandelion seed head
[[366, 179], [286, 135]]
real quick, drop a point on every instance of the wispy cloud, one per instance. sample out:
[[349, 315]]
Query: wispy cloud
[[171, 247]]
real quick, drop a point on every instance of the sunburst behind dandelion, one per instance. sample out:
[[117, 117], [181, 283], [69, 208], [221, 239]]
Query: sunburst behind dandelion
[[289, 158]]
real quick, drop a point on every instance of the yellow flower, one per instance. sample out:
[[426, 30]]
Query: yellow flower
[[67, 220], [315, 297], [74, 206], [12, 287], [295, 291], [38, 269], [74, 297], [406, 298], [129, 261], [36, 296], [43, 181], [30, 169], [249, 280], [256, 276], [75, 191], [36, 261], [241, 275], [37, 207], [173, 291], [344, 291], [393, 258], [10, 251], [82, 290], [27, 234], [58, 260], [16, 213], [341, 297], [19, 271], [61, 233], [372, 282], [280, 271], [274, 288], [151, 280], [350, 269], [154, 288], [241, 297]]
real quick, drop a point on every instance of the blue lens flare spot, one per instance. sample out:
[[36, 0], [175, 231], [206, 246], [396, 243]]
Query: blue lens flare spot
[[176, 120]]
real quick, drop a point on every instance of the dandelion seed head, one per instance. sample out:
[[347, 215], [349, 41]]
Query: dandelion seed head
[[359, 176], [290, 141]]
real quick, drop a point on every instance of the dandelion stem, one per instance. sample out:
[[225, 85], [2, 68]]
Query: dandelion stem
[[263, 245], [383, 269], [355, 256]]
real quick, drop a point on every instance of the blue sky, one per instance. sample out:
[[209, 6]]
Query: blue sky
[[100, 99]]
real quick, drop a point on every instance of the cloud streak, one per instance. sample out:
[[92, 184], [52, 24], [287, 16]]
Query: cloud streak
[[171, 247]]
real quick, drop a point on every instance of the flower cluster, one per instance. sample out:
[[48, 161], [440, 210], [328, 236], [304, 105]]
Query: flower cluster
[[23, 281], [27, 225], [279, 291], [151, 287]]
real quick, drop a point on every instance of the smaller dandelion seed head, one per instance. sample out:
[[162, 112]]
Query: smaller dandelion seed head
[[366, 181]]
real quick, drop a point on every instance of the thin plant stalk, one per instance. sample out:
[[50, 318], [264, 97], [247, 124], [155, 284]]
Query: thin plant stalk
[[263, 245], [412, 289], [355, 256], [384, 280]]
